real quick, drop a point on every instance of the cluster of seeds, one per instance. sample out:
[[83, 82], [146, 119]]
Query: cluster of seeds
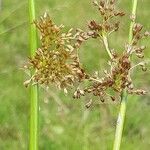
[[118, 78], [114, 81], [108, 13], [57, 60], [134, 47]]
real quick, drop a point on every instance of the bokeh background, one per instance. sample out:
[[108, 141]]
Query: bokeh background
[[65, 124]]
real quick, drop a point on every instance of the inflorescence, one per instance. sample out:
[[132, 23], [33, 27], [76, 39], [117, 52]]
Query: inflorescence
[[57, 61]]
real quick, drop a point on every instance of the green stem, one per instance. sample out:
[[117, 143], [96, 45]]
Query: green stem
[[105, 40], [122, 112], [34, 106], [133, 21], [120, 122]]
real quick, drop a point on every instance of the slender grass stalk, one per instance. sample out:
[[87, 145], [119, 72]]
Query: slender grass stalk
[[122, 112], [34, 106]]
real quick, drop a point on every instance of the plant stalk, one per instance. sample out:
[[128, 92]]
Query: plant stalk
[[105, 40], [133, 20], [34, 106], [122, 112], [120, 121]]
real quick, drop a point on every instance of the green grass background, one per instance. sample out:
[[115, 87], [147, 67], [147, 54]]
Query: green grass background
[[65, 124]]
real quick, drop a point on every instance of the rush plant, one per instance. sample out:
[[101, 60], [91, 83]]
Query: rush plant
[[57, 60]]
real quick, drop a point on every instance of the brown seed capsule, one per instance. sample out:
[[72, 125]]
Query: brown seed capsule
[[138, 27], [140, 55], [116, 26], [147, 33], [88, 105], [142, 47], [121, 14], [102, 3], [143, 65], [112, 98], [112, 2]]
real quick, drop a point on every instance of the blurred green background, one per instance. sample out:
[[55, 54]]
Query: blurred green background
[[65, 124]]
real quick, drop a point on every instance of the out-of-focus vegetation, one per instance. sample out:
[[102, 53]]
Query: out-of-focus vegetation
[[65, 124]]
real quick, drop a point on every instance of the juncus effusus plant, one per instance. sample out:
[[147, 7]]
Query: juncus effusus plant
[[56, 62]]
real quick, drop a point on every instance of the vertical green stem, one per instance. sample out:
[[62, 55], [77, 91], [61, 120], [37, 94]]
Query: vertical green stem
[[34, 106], [122, 112], [120, 122], [133, 21]]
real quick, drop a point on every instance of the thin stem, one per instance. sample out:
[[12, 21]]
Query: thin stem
[[34, 106], [133, 20], [93, 79], [33, 34], [105, 40], [122, 112], [140, 64]]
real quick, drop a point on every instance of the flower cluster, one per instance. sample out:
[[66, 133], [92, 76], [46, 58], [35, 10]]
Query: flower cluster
[[108, 13], [134, 46], [118, 78], [57, 60]]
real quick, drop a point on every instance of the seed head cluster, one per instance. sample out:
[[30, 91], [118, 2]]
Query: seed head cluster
[[108, 12], [118, 78], [57, 61]]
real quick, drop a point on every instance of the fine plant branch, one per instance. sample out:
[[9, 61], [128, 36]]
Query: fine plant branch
[[123, 105], [105, 41], [120, 122], [133, 17], [94, 79], [140, 64], [34, 106]]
